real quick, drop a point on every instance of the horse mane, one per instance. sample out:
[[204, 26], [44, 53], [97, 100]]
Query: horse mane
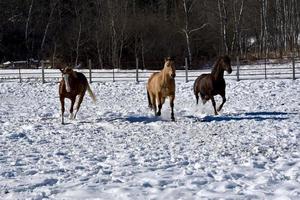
[[169, 58], [216, 69], [163, 71], [64, 67], [74, 73]]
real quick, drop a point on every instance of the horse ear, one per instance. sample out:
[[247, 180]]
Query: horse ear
[[169, 58]]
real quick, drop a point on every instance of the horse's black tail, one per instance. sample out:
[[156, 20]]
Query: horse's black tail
[[149, 99]]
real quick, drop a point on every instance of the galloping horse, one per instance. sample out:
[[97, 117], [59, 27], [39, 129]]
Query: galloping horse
[[209, 85], [161, 85], [73, 84]]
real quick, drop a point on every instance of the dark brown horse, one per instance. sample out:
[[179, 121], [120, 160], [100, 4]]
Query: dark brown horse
[[209, 85], [161, 85], [73, 84]]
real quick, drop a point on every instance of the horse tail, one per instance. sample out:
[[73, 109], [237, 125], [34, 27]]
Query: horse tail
[[196, 85], [197, 89], [92, 95], [149, 99]]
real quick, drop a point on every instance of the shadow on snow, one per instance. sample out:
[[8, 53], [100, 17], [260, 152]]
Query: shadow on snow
[[144, 119], [131, 118], [258, 116]]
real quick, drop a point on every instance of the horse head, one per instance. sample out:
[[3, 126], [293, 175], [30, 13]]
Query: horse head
[[67, 72], [225, 64], [169, 67]]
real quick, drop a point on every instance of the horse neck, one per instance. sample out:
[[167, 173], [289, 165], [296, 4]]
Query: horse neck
[[72, 79], [217, 72], [165, 76]]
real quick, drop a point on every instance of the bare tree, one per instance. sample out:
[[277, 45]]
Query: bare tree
[[99, 30], [263, 29], [223, 15], [27, 28], [186, 29], [50, 18], [117, 22], [236, 41]]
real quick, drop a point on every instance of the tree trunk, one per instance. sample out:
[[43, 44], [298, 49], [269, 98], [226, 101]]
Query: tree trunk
[[223, 25], [237, 25], [264, 31], [27, 30], [46, 32], [78, 44]]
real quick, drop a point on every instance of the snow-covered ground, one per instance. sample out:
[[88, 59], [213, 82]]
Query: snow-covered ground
[[117, 149]]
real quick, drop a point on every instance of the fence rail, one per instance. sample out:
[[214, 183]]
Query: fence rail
[[290, 70]]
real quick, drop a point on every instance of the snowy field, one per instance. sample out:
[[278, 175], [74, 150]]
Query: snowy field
[[117, 149]]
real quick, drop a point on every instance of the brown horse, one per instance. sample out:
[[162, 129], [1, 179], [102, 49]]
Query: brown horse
[[73, 84], [209, 85], [161, 85]]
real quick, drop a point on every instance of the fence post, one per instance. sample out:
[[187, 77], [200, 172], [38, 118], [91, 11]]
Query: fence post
[[137, 69], [90, 70], [43, 72], [113, 74], [294, 70], [266, 67], [186, 70], [238, 68], [20, 75]]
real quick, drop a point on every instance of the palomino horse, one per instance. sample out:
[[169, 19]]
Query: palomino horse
[[161, 85], [73, 84], [209, 85]]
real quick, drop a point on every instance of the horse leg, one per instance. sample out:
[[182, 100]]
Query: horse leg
[[62, 103], [149, 100], [160, 103], [71, 108], [197, 98], [78, 104], [224, 100], [204, 98], [172, 107], [159, 109], [153, 100], [214, 104]]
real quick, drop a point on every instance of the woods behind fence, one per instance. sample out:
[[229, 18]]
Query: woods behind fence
[[113, 31]]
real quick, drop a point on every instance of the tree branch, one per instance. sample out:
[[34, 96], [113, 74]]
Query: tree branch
[[197, 29]]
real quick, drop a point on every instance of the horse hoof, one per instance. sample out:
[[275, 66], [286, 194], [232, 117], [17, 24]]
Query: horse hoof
[[158, 114]]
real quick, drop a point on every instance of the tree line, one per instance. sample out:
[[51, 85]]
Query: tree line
[[114, 33]]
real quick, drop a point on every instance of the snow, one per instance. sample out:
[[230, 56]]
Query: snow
[[117, 149]]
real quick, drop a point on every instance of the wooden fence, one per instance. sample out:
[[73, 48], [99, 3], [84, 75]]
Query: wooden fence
[[264, 70]]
